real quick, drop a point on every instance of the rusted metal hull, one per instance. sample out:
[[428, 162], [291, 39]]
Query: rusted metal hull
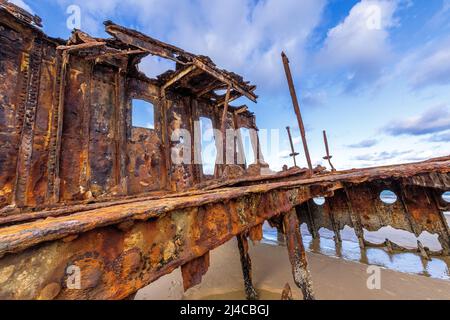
[[94, 208], [115, 262], [66, 115], [122, 248]]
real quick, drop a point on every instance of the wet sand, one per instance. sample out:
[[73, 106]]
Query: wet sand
[[333, 279]]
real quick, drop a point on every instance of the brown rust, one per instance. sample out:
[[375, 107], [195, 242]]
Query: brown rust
[[297, 255], [328, 156], [256, 233], [293, 153], [152, 247], [246, 264], [82, 189], [194, 270], [296, 105], [66, 127]]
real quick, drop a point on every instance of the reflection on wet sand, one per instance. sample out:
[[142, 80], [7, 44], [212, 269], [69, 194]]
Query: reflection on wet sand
[[437, 267]]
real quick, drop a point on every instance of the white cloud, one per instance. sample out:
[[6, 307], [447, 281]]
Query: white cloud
[[440, 137], [240, 35], [364, 144], [359, 46], [433, 120], [429, 66], [426, 64], [382, 156]]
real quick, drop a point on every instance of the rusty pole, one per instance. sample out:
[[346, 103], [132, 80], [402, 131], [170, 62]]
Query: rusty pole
[[327, 149], [297, 254], [246, 263], [287, 69], [293, 153]]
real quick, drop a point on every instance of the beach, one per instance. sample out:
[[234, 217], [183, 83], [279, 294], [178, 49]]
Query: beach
[[333, 278]]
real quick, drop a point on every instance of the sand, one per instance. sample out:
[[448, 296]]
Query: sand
[[333, 279]]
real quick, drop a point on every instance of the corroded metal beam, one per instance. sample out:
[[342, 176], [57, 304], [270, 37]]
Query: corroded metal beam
[[153, 207], [123, 246], [178, 76], [227, 80], [164, 50], [80, 47], [115, 260], [21, 13], [246, 264], [297, 255], [296, 105]]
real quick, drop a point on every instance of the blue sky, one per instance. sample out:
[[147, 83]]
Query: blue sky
[[374, 73]]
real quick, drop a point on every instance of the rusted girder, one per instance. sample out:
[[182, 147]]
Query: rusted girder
[[297, 255], [115, 259], [21, 13], [246, 264], [164, 50], [360, 207], [178, 76], [79, 47], [123, 246]]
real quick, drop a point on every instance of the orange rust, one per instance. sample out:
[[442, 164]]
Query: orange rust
[[256, 233], [194, 270], [80, 187]]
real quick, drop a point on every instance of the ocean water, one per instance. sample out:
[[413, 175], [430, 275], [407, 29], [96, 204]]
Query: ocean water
[[412, 263]]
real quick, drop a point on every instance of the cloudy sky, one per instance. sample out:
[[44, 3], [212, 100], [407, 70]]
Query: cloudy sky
[[374, 73]]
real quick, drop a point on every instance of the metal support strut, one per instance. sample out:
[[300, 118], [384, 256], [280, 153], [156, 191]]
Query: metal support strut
[[246, 267], [297, 255], [297, 109]]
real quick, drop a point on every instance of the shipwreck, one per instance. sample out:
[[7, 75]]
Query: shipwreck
[[83, 190]]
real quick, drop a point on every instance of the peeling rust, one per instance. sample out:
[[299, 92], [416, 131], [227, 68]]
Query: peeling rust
[[80, 187], [297, 255], [194, 270], [246, 264]]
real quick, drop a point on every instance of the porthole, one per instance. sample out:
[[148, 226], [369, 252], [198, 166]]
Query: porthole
[[446, 196], [388, 197], [320, 201]]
